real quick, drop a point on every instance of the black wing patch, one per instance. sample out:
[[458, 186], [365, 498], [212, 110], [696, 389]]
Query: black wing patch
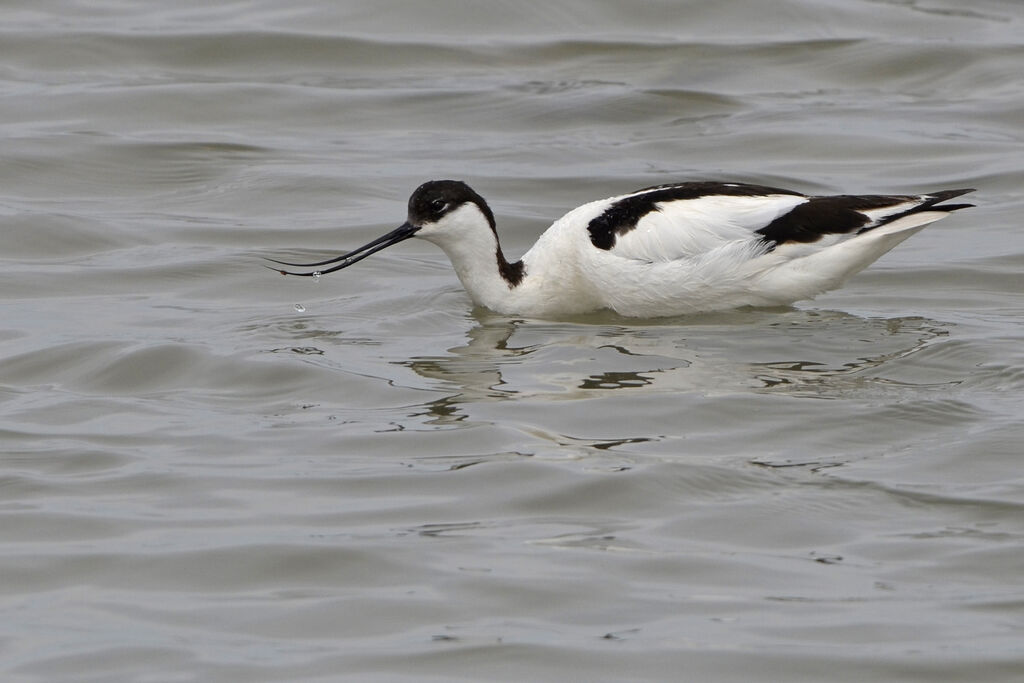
[[841, 214], [623, 215]]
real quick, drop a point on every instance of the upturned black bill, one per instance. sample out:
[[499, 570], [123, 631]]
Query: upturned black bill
[[345, 260]]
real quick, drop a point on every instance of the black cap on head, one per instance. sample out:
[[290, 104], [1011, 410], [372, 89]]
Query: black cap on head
[[435, 198]]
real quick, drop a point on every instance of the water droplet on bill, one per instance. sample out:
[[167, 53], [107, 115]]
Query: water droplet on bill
[[300, 308]]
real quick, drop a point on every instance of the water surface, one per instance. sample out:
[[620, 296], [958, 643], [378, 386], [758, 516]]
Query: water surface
[[200, 481]]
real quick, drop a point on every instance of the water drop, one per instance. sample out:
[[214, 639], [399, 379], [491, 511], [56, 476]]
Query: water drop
[[300, 308], [316, 276]]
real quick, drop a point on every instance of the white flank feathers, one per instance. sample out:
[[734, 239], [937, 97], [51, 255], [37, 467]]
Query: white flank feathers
[[666, 250]]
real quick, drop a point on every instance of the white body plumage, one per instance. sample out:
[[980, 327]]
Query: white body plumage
[[666, 250]]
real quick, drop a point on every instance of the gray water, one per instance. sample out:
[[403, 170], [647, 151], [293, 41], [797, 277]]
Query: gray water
[[212, 473]]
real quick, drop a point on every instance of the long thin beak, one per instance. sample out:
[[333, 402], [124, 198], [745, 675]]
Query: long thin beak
[[404, 232]]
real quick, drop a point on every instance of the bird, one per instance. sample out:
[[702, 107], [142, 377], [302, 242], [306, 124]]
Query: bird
[[667, 250]]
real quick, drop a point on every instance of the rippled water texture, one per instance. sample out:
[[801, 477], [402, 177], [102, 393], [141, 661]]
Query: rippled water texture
[[212, 473]]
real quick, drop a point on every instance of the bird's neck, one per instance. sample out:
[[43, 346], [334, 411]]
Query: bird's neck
[[488, 277], [484, 271]]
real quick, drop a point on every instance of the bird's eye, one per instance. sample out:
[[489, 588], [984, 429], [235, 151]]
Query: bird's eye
[[438, 205]]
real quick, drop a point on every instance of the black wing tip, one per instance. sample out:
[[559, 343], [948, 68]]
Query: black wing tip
[[935, 200], [942, 195], [952, 207], [843, 214]]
